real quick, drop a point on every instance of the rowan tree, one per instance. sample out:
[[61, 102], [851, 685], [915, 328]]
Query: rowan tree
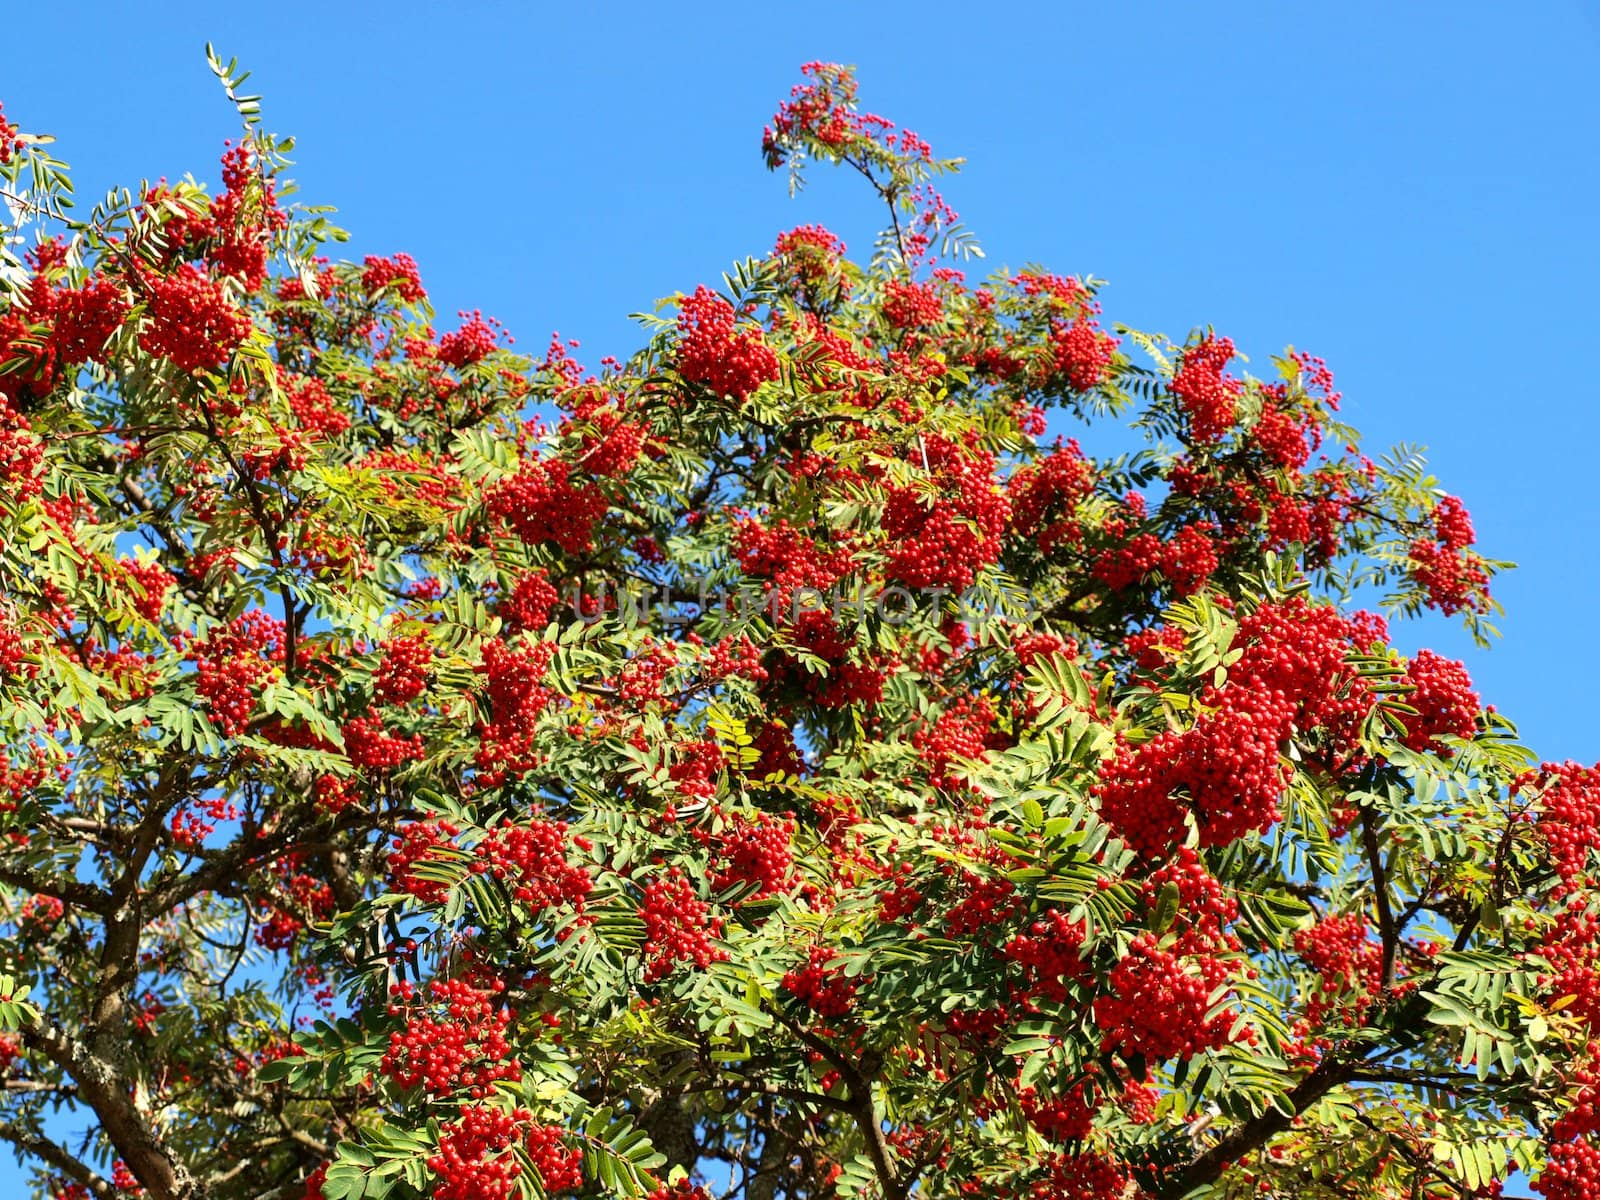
[[771, 766]]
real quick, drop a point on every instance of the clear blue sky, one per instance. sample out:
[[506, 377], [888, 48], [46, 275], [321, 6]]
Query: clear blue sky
[[1405, 189]]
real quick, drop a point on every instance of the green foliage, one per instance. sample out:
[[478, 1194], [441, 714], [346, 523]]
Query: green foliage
[[776, 763]]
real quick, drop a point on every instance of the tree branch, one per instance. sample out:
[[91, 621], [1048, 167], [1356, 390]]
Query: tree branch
[[1208, 1167], [1387, 930], [58, 1157], [68, 891], [859, 1104]]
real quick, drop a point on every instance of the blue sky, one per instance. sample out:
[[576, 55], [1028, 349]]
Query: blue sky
[[1405, 189]]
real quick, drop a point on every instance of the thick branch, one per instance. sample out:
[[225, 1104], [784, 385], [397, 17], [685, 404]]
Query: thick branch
[[109, 1092], [860, 1106], [1387, 930], [57, 1156], [1208, 1167], [68, 891]]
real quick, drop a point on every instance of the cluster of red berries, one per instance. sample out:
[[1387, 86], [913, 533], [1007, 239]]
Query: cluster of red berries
[[529, 603], [402, 673], [415, 845], [78, 322], [516, 698], [21, 453], [1082, 352], [964, 730], [559, 1168], [13, 652], [532, 860], [1349, 962], [909, 305], [124, 1180], [755, 850], [846, 682], [1122, 567], [1441, 692], [1582, 1117], [1569, 816], [732, 656], [1045, 496], [1228, 764], [1189, 560], [1049, 951], [778, 752], [1087, 1176], [1157, 1001], [682, 1190], [16, 780], [715, 353], [1452, 524], [1571, 945], [1139, 1102], [678, 926], [1208, 396], [813, 256], [1299, 649], [373, 748], [301, 895], [1283, 438], [944, 539], [475, 1161], [1290, 679], [822, 986], [1450, 573], [1152, 650], [542, 504], [1571, 1171], [821, 110], [1031, 647], [1066, 1117], [315, 410], [189, 832], [933, 213], [1205, 910], [793, 564], [232, 663], [984, 903], [1064, 293], [1298, 520], [334, 794], [243, 218], [611, 445], [40, 913], [473, 342], [398, 273], [9, 141], [150, 583], [464, 1049], [695, 772], [426, 479], [640, 682], [980, 1028], [85, 318], [190, 321]]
